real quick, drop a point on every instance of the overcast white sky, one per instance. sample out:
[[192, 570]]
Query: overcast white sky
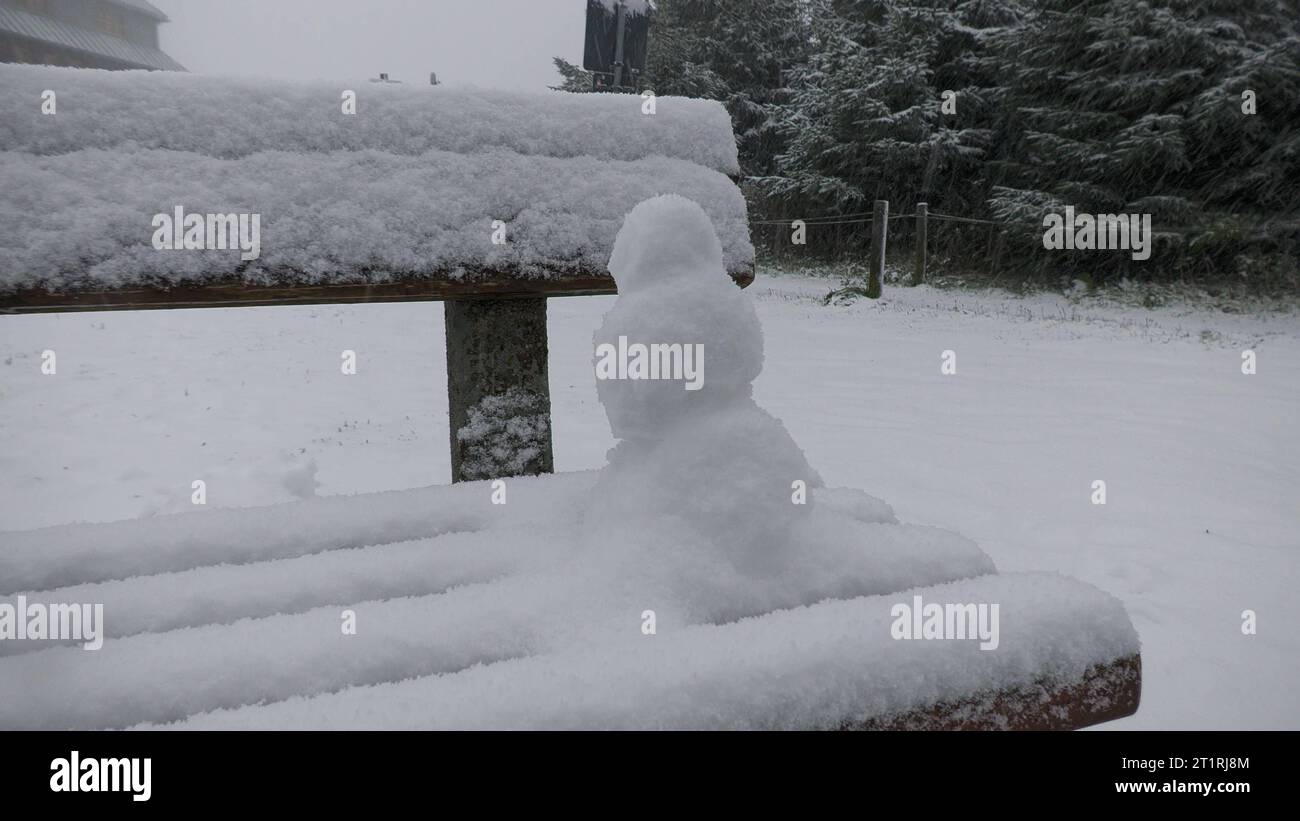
[[488, 43]]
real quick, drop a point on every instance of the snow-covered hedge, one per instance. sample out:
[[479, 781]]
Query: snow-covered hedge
[[409, 186]]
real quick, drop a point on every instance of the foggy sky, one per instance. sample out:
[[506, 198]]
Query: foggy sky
[[487, 43]]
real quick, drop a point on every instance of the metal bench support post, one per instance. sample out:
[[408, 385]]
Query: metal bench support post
[[498, 388]]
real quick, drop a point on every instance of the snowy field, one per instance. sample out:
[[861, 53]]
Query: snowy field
[[1201, 462]]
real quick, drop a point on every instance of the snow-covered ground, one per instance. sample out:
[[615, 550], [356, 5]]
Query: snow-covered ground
[[1201, 462]]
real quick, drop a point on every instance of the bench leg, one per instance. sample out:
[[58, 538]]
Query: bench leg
[[498, 388]]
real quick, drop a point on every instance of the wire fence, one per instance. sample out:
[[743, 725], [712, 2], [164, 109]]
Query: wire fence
[[867, 216], [868, 232], [878, 218]]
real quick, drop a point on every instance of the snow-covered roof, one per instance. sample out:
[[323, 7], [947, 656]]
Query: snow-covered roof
[[407, 187], [48, 30]]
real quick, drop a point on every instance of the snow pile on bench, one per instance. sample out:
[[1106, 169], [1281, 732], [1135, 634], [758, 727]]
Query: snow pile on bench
[[771, 611], [228, 118], [228, 635], [707, 457], [408, 187], [79, 554], [485, 618], [811, 668]]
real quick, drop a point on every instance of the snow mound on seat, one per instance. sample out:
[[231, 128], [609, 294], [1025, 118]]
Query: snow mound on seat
[[695, 449]]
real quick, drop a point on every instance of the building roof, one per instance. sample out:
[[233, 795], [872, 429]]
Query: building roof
[[47, 30], [144, 7]]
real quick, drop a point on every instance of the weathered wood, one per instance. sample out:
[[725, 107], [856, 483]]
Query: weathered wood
[[922, 230], [235, 293], [497, 371], [879, 233], [1106, 692]]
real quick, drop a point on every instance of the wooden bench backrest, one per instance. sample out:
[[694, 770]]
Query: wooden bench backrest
[[432, 168]]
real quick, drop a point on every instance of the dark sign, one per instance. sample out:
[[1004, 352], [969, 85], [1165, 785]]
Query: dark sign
[[601, 53]]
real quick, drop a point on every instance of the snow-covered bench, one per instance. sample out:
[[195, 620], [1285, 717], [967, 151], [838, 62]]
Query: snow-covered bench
[[222, 610], [491, 201], [681, 586]]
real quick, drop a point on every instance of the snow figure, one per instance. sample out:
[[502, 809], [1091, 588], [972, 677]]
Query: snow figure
[[695, 452]]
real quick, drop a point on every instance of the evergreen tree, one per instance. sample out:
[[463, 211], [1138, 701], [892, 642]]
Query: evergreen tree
[[734, 51], [1118, 106], [572, 78], [1111, 106], [866, 117]]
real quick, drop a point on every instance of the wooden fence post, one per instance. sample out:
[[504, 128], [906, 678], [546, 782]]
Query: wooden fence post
[[997, 254], [879, 232], [922, 217]]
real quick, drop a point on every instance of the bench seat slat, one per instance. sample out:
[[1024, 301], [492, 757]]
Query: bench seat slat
[[240, 294]]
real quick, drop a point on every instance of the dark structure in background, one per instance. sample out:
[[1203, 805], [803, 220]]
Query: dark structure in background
[[110, 34], [616, 46]]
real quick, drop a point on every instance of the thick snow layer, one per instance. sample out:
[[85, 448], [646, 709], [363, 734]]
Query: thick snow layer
[[817, 667], [589, 593], [231, 118], [1051, 393], [223, 593], [68, 555], [85, 218], [409, 186], [297, 567]]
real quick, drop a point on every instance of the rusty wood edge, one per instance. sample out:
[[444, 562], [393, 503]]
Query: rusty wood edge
[[1044, 705], [234, 293]]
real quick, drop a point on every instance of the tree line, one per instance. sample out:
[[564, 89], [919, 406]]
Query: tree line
[[1008, 110]]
